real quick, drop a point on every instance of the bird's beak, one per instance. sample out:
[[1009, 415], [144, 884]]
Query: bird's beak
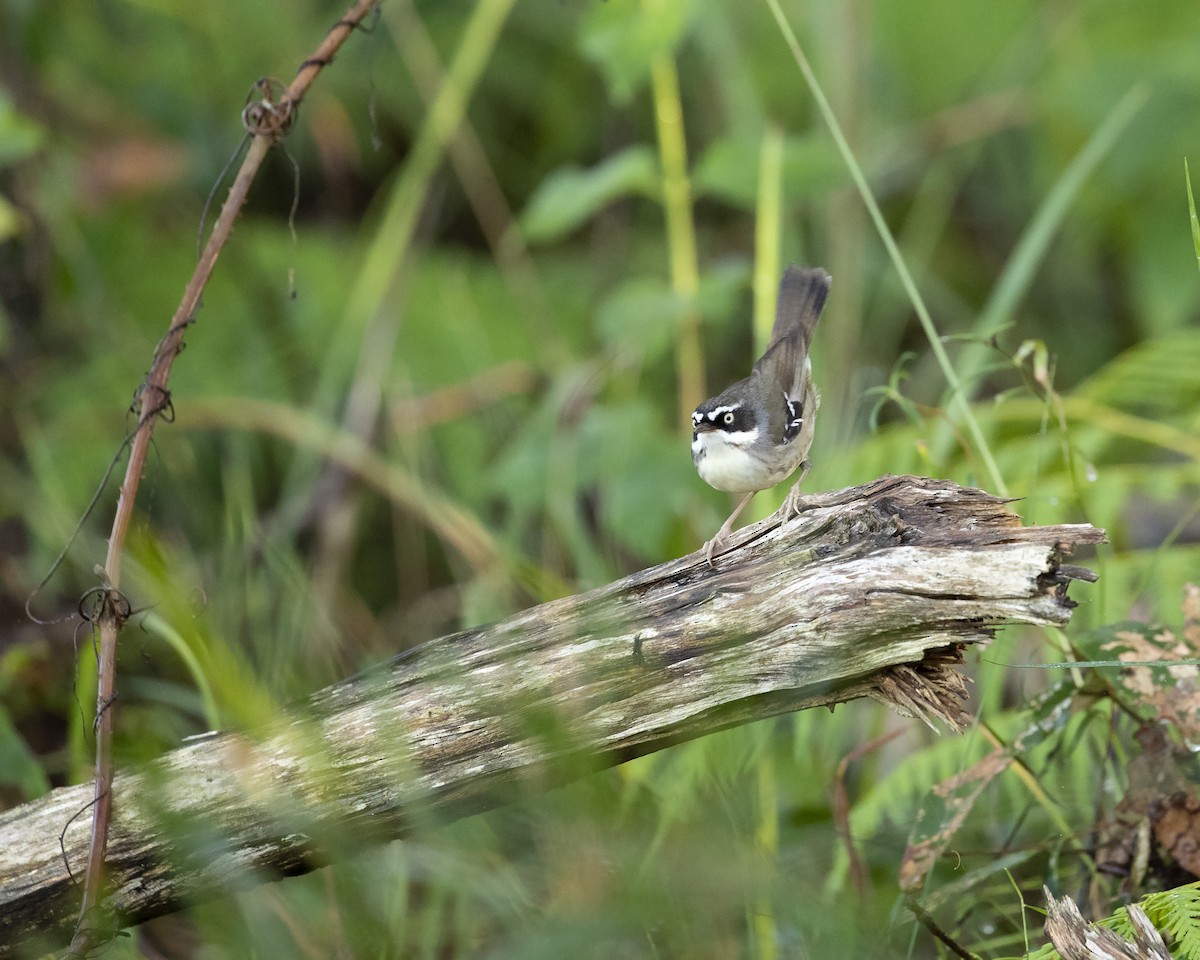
[[702, 426]]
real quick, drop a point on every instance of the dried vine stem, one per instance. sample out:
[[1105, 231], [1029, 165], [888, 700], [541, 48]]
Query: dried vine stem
[[267, 120]]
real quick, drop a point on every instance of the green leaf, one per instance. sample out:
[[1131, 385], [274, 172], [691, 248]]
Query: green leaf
[[1192, 212], [10, 220], [640, 318], [641, 471], [624, 37], [1156, 376], [569, 197], [728, 169], [19, 136], [18, 767]]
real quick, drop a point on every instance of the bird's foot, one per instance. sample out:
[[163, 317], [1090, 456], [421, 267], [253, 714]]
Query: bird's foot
[[793, 503], [716, 546], [709, 550], [712, 548]]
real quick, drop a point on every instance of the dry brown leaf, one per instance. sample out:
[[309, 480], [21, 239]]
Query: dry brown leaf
[[1172, 694], [958, 794]]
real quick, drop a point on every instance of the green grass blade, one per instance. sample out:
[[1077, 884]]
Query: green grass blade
[[1187, 176], [681, 234], [1030, 251], [768, 226], [958, 396]]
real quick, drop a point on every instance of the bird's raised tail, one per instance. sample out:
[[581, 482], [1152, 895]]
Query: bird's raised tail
[[802, 293]]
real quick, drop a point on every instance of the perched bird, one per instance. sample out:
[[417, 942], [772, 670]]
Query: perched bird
[[759, 431]]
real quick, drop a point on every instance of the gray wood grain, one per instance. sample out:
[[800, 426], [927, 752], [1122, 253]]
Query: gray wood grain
[[870, 591]]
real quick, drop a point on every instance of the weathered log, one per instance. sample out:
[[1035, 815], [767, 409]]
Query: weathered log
[[870, 591], [1076, 939]]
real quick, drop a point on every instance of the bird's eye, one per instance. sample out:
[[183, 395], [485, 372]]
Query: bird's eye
[[728, 418]]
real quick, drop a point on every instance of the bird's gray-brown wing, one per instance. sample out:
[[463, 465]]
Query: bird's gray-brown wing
[[802, 293]]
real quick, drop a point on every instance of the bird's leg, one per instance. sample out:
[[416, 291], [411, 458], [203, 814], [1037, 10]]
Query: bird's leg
[[791, 504], [726, 529]]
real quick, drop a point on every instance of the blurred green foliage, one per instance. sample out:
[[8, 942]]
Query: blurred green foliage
[[488, 309]]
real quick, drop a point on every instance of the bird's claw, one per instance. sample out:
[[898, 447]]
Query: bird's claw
[[715, 547], [793, 503], [710, 550]]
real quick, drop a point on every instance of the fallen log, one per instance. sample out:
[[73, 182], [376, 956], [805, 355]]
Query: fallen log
[[871, 591]]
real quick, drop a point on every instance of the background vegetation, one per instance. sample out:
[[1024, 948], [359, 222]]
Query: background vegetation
[[513, 313]]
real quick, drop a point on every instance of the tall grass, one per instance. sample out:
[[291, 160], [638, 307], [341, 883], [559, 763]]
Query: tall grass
[[453, 419]]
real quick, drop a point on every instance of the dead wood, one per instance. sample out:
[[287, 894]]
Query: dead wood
[[1076, 939], [871, 591]]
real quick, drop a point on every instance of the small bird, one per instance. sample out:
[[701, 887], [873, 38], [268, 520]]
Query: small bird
[[759, 431]]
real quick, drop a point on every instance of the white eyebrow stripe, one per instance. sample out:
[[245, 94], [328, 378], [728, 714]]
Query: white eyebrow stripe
[[721, 411]]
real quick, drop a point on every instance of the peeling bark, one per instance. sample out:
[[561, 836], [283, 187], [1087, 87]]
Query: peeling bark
[[871, 591]]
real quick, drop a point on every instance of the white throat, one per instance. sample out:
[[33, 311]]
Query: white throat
[[725, 461]]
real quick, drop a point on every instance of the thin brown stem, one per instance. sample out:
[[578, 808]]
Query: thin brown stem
[[927, 921], [841, 806], [266, 121]]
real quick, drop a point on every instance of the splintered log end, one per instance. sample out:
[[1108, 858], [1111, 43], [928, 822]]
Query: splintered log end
[[912, 565], [1076, 939], [931, 689]]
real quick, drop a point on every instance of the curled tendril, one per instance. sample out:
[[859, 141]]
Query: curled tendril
[[97, 600], [269, 111], [314, 62], [101, 925], [164, 408]]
